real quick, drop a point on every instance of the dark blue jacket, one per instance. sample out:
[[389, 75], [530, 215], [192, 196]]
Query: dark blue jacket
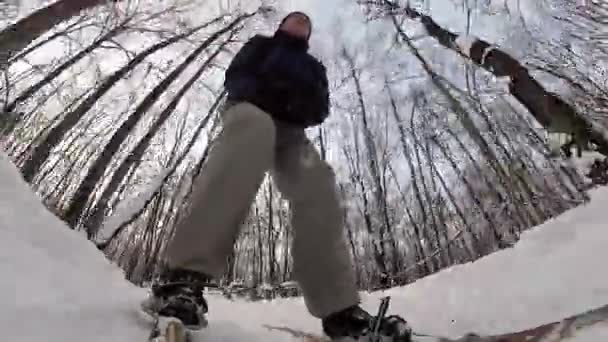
[[279, 76]]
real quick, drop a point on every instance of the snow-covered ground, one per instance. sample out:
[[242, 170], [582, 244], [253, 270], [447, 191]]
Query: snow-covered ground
[[56, 286]]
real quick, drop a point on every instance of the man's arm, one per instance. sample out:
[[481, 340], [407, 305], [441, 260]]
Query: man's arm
[[324, 93], [321, 100], [309, 102], [240, 77]]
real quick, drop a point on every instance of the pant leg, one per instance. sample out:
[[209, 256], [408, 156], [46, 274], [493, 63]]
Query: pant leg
[[322, 261], [224, 191]]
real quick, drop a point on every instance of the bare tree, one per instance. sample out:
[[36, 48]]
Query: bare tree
[[41, 152], [16, 37], [97, 216], [97, 170], [69, 63], [385, 235], [547, 108]]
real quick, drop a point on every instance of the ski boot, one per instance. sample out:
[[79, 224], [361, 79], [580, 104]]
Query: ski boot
[[180, 296], [355, 324]]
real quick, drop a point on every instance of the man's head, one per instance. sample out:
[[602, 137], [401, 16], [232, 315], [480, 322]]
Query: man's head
[[297, 24]]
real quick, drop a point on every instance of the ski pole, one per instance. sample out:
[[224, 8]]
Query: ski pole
[[381, 313]]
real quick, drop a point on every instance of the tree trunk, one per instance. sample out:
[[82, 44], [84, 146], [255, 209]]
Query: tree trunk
[[73, 27], [357, 179], [171, 172], [286, 243], [350, 236], [322, 145], [16, 37], [417, 193], [133, 159], [271, 235], [439, 203], [10, 107], [372, 164], [260, 275], [99, 167], [555, 114], [432, 224], [42, 151], [465, 118]]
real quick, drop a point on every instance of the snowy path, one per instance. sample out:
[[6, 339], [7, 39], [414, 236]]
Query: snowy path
[[55, 286]]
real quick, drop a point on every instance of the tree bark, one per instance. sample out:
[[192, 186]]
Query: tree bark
[[133, 159], [99, 167], [42, 151], [553, 113], [374, 169], [19, 35], [417, 192], [69, 63]]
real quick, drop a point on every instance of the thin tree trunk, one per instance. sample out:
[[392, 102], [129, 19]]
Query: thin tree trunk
[[438, 203], [322, 145], [350, 234], [432, 225], [286, 244], [357, 179], [271, 234], [418, 257], [417, 193], [372, 164], [258, 219], [471, 191]]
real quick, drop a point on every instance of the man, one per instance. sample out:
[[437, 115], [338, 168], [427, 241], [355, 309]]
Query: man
[[275, 90]]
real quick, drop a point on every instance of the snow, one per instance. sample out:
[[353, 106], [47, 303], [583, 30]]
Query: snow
[[486, 52], [290, 283], [583, 164], [266, 287], [593, 334], [56, 286], [599, 128], [464, 43]]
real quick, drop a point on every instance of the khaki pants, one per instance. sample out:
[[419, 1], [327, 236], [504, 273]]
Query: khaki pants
[[250, 144]]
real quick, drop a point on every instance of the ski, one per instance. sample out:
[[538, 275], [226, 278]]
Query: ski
[[550, 332], [556, 331]]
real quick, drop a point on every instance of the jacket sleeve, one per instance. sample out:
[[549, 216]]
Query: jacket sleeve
[[323, 94], [319, 104], [241, 75], [308, 103]]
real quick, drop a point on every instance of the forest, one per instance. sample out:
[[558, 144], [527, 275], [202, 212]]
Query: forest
[[455, 124]]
